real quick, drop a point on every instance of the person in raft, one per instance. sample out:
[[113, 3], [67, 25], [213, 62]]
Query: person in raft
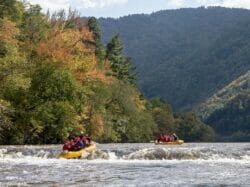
[[161, 138], [77, 143], [170, 137], [68, 145], [85, 139]]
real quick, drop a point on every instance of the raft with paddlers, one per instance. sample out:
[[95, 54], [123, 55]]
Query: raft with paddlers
[[77, 147], [168, 139], [78, 153]]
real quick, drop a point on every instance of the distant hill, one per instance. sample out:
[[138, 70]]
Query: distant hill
[[232, 123], [228, 110], [223, 97], [185, 55]]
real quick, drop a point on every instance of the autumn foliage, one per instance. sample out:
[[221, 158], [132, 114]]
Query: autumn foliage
[[56, 81]]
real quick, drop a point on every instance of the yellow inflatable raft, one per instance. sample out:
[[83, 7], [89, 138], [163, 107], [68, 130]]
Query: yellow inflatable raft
[[177, 142], [77, 154]]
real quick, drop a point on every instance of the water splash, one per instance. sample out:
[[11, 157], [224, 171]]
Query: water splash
[[123, 152]]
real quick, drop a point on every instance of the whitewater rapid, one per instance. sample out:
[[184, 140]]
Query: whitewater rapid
[[190, 164]]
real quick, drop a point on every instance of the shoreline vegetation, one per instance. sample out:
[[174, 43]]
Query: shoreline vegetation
[[57, 79]]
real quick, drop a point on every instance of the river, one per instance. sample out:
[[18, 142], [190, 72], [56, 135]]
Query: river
[[188, 165]]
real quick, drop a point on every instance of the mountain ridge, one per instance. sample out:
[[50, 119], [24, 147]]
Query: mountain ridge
[[185, 55]]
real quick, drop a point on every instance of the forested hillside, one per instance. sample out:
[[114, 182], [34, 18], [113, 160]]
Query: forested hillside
[[185, 55], [240, 86], [57, 79], [232, 123], [228, 110]]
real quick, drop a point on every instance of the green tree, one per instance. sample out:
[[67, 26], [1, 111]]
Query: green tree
[[47, 105], [125, 121], [12, 9], [57, 120], [95, 29], [56, 104], [163, 115], [6, 124], [52, 83], [121, 66], [11, 60], [141, 127], [190, 128], [34, 28]]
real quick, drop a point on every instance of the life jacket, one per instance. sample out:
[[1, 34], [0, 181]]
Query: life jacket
[[160, 138], [66, 146], [167, 138]]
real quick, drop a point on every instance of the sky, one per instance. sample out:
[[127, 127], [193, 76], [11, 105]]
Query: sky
[[118, 8]]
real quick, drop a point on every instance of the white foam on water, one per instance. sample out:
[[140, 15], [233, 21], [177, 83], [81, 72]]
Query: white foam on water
[[12, 177], [246, 157], [17, 184], [43, 154], [35, 160], [112, 156], [144, 155], [25, 172], [222, 160], [3, 152], [122, 161], [114, 160]]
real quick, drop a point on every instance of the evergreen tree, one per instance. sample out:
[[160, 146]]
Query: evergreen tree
[[121, 65], [95, 29]]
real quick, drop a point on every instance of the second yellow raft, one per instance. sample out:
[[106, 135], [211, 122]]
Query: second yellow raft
[[177, 142]]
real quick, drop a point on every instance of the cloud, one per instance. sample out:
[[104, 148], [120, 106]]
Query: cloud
[[52, 5], [78, 4], [106, 3], [236, 3], [196, 3], [192, 3], [98, 3]]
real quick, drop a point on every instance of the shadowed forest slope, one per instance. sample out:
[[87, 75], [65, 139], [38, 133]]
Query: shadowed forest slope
[[185, 55]]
